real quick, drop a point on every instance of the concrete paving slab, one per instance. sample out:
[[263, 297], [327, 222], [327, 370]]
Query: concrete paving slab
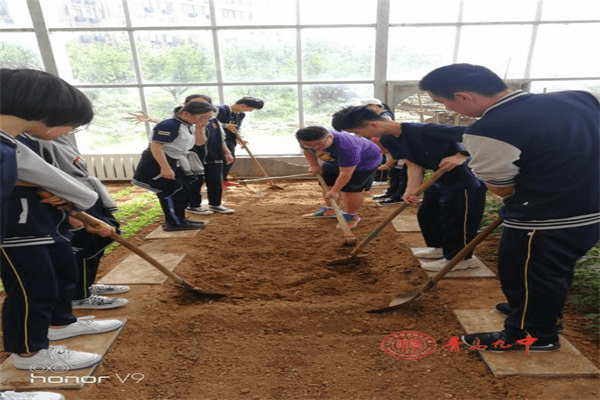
[[565, 362], [159, 233], [17, 379], [406, 223], [482, 272], [134, 270]]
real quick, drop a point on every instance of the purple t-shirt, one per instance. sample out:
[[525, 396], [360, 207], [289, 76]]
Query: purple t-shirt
[[349, 150]]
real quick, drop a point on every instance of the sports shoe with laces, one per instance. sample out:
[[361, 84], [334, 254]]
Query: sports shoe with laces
[[438, 265], [186, 225], [200, 210], [381, 196], [31, 396], [389, 201], [430, 253], [96, 302], [56, 358], [352, 220], [222, 209], [230, 184], [84, 326], [324, 212], [504, 308], [499, 342], [101, 288]]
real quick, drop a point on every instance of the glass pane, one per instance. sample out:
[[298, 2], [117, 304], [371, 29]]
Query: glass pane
[[14, 14], [255, 12], [20, 50], [110, 132], [176, 56], [496, 11], [255, 55], [94, 57], [169, 13], [562, 51], [83, 13], [338, 53], [270, 130], [554, 10], [338, 12], [413, 52], [424, 11], [556, 86], [161, 101], [322, 101], [510, 44]]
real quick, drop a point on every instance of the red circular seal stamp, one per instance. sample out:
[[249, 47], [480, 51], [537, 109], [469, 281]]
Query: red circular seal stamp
[[408, 345]]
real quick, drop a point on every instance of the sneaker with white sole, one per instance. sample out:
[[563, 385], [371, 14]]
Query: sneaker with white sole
[[56, 358], [438, 265], [200, 210], [108, 289], [323, 212], [352, 220], [430, 252], [96, 302], [222, 209], [499, 342], [84, 326], [31, 396]]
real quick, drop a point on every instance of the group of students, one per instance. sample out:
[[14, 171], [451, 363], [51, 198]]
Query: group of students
[[48, 259], [195, 146], [539, 152]]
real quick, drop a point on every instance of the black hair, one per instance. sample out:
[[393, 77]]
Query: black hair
[[196, 108], [251, 102], [446, 81], [35, 95], [198, 96], [311, 133], [354, 117]]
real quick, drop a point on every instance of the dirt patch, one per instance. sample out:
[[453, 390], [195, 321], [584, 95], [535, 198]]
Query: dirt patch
[[301, 330]]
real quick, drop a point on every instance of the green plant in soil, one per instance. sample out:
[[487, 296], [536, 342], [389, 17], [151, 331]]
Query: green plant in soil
[[586, 286], [135, 214]]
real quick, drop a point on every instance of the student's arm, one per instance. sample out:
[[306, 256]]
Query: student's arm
[[141, 117], [314, 167], [33, 169], [452, 162], [159, 155], [200, 136], [415, 177]]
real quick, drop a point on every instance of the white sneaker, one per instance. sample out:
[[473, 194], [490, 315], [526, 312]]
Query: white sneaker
[[377, 183], [96, 302], [31, 396], [221, 209], [200, 210], [108, 289], [438, 265], [84, 326], [430, 252], [56, 358]]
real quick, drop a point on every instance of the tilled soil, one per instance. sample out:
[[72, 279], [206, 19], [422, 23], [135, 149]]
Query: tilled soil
[[301, 330]]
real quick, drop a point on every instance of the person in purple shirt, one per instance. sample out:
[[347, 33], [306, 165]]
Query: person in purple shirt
[[349, 165]]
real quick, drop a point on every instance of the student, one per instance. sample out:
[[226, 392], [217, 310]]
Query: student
[[397, 169], [231, 117], [540, 152], [36, 261], [349, 167], [168, 167], [88, 247], [452, 208]]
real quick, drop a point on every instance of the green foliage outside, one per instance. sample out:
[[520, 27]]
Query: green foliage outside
[[585, 292]]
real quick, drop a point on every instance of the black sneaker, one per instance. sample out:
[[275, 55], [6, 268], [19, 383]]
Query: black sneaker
[[381, 196], [498, 342], [185, 226], [391, 200], [504, 308]]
